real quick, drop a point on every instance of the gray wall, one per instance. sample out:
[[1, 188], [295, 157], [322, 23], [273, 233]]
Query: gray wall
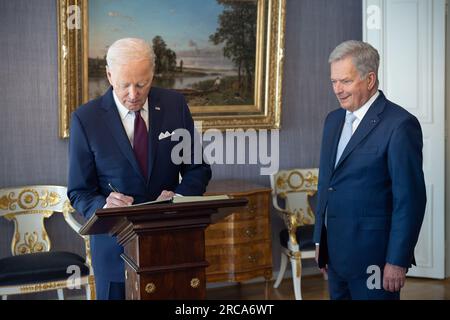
[[32, 153]]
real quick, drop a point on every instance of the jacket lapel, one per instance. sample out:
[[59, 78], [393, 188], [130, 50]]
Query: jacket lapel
[[118, 133], [336, 133], [368, 123], [156, 114]]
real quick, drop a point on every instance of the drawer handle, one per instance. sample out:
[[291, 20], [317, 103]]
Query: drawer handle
[[195, 283], [250, 232], [150, 287], [252, 258]]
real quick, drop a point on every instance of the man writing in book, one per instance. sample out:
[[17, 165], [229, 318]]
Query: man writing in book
[[118, 156]]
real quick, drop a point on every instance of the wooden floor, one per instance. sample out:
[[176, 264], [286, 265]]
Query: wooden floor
[[315, 288]]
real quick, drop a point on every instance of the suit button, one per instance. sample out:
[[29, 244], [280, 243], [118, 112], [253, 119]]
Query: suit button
[[331, 189]]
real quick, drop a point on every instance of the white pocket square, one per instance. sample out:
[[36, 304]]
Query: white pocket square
[[165, 135]]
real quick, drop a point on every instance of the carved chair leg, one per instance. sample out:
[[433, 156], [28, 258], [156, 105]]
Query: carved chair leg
[[296, 277], [91, 288], [266, 290], [60, 294], [296, 267], [88, 291], [283, 264]]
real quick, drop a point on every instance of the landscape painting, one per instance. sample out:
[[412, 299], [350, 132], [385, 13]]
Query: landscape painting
[[205, 49], [225, 56]]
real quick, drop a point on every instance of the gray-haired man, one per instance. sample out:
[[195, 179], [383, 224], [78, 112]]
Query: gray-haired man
[[371, 193]]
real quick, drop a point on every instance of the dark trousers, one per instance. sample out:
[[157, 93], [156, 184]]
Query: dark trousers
[[356, 289], [107, 290]]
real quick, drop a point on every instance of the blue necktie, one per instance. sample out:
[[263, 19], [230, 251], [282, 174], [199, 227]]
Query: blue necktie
[[345, 135]]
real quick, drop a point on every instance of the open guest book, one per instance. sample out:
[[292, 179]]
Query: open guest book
[[184, 199]]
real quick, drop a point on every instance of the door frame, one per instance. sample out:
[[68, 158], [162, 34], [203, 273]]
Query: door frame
[[374, 22]]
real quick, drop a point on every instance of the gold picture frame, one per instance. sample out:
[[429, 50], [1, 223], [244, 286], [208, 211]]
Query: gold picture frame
[[265, 112]]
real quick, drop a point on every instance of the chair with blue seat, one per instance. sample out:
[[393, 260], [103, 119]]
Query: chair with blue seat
[[297, 188], [33, 267]]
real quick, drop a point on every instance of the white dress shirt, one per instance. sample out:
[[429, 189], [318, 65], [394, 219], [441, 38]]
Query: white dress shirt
[[361, 112], [128, 116]]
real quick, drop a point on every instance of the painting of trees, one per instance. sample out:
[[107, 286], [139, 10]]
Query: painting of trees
[[165, 58], [237, 30]]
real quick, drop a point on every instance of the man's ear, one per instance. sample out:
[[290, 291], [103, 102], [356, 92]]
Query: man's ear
[[371, 80], [108, 74]]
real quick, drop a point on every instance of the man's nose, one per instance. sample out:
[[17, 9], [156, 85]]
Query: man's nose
[[337, 88], [133, 92]]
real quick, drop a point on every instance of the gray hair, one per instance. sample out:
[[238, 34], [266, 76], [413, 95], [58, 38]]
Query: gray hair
[[365, 57], [127, 49]]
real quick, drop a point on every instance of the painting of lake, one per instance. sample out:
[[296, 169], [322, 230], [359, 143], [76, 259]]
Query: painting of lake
[[204, 49]]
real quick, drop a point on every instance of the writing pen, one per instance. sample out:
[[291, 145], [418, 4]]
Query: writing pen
[[112, 188]]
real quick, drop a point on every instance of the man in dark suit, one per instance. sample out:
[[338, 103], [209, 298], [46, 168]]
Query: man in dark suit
[[116, 145], [371, 193]]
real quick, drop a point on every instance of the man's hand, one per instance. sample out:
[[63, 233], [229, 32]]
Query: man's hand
[[393, 278], [116, 199], [165, 195], [323, 270]]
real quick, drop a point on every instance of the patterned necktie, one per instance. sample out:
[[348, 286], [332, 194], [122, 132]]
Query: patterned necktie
[[345, 135], [140, 142]]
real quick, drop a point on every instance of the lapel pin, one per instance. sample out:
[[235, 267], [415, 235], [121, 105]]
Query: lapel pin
[[157, 108], [373, 121]]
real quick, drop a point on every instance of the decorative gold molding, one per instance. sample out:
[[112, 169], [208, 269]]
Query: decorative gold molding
[[30, 244], [67, 208], [28, 199], [45, 213], [70, 61], [43, 286], [54, 285], [296, 181], [265, 113], [308, 182]]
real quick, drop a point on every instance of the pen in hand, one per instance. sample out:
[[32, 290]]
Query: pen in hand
[[117, 199], [112, 188]]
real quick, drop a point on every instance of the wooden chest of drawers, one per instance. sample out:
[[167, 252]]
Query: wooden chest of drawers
[[239, 247]]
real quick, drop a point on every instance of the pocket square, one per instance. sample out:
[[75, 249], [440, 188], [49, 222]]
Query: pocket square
[[165, 135]]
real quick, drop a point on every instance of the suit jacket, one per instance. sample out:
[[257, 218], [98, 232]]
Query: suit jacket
[[100, 153], [375, 196]]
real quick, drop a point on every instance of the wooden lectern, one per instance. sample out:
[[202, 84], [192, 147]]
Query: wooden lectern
[[164, 245]]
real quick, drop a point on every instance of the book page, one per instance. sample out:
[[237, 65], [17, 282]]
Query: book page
[[183, 199], [199, 198]]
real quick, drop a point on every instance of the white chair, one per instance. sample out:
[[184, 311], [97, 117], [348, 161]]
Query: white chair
[[32, 266], [295, 187]]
